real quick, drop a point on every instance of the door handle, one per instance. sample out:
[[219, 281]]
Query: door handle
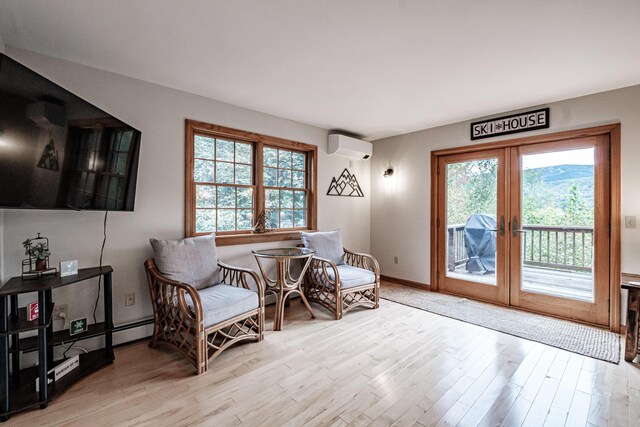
[[515, 230], [501, 229]]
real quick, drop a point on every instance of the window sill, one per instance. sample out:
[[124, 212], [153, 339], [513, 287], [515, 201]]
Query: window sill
[[245, 239]]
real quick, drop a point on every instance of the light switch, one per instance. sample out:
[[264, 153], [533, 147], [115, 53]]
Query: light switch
[[630, 221]]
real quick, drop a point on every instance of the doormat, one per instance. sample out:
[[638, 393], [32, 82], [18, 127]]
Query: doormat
[[574, 337]]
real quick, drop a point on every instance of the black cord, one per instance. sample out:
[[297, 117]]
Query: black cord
[[64, 355], [104, 241]]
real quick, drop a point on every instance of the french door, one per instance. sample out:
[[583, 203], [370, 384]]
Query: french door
[[472, 224], [528, 226]]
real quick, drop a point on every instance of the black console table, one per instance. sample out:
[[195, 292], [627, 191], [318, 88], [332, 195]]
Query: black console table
[[17, 387]]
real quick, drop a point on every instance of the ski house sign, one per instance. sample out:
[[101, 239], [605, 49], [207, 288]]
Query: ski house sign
[[522, 122]]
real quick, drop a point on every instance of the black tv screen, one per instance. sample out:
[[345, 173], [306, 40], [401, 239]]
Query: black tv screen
[[58, 151]]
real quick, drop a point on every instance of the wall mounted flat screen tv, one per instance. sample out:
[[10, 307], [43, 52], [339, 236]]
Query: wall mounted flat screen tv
[[58, 151]]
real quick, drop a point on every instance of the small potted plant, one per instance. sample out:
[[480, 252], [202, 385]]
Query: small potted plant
[[38, 251]]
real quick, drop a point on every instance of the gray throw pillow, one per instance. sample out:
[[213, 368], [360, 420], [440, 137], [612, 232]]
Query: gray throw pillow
[[193, 260], [327, 244]]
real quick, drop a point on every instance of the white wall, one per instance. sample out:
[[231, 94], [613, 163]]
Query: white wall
[[159, 112], [401, 206]]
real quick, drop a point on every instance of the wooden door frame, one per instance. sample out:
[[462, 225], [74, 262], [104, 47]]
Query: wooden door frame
[[613, 131], [497, 293], [548, 304]]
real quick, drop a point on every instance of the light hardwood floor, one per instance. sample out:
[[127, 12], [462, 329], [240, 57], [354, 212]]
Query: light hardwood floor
[[393, 366]]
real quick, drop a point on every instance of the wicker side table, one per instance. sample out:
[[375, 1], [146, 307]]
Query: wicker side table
[[284, 284]]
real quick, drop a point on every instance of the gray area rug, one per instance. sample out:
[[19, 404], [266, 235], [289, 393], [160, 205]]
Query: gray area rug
[[574, 337]]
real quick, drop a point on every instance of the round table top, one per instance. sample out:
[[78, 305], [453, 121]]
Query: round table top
[[283, 252]]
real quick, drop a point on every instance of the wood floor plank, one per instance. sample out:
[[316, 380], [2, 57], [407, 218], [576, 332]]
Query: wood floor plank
[[409, 417], [555, 418], [361, 421], [557, 368], [567, 387], [433, 378], [528, 365], [517, 412], [401, 396], [500, 407], [394, 366], [439, 408], [620, 403], [634, 406], [579, 412], [600, 406], [499, 389], [533, 384], [453, 416], [539, 410]]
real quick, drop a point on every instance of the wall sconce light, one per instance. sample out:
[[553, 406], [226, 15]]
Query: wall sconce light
[[388, 172]]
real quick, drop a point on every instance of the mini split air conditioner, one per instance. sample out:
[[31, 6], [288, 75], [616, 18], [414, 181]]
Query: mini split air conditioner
[[346, 146], [46, 114]]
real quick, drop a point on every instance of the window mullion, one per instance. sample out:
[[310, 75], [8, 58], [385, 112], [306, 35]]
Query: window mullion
[[259, 205]]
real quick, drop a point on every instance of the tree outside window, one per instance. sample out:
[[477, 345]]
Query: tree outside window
[[232, 176]]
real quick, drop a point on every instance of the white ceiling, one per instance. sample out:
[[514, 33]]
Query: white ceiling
[[373, 67]]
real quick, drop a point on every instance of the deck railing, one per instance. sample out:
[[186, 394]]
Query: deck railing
[[557, 247], [456, 250]]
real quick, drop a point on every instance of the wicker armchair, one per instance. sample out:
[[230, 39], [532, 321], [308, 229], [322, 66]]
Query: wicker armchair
[[180, 317], [325, 285]]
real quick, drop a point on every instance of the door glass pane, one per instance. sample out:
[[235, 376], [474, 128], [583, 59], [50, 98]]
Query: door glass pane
[[472, 201], [557, 223]]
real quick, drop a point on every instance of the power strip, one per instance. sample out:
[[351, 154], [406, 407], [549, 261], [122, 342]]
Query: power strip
[[61, 370]]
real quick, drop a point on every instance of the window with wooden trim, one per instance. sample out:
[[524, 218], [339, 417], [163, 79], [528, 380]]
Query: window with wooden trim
[[284, 178], [223, 179], [101, 158], [232, 176]]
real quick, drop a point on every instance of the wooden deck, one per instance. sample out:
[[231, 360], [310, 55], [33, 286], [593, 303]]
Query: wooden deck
[[558, 283]]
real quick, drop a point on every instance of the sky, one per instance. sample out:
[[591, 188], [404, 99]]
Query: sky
[[571, 157]]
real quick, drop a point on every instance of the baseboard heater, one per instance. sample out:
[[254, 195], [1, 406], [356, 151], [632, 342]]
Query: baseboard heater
[[132, 325]]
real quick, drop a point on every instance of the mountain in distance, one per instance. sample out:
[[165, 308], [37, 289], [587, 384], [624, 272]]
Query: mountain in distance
[[566, 172], [560, 178]]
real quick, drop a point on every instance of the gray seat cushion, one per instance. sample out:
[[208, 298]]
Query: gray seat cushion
[[352, 276], [193, 260], [327, 244], [222, 302]]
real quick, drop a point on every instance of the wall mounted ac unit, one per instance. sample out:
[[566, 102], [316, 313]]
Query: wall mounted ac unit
[[46, 114], [346, 146]]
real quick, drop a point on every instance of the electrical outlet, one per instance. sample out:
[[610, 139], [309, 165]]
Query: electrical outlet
[[395, 259], [630, 221], [59, 312], [130, 299]]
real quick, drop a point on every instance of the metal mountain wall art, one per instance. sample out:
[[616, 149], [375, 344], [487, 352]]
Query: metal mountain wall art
[[49, 159], [346, 185]]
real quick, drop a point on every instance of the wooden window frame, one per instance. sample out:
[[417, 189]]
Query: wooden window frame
[[304, 189], [259, 141]]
